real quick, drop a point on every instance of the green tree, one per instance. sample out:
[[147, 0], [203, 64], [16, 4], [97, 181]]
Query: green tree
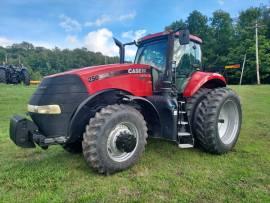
[[41, 61], [176, 25], [223, 35], [226, 41], [197, 24]]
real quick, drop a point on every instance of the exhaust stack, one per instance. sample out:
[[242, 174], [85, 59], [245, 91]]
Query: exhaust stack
[[121, 50]]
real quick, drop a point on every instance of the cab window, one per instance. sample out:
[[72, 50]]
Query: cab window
[[187, 59], [153, 54]]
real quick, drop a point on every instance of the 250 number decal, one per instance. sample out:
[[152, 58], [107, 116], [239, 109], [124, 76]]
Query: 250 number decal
[[93, 78]]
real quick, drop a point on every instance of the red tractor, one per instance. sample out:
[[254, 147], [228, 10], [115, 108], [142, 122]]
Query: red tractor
[[109, 111]]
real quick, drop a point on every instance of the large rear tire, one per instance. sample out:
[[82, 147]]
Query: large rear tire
[[218, 121], [193, 103], [114, 139], [3, 78]]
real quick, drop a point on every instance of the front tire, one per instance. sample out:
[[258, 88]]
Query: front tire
[[218, 121], [114, 139]]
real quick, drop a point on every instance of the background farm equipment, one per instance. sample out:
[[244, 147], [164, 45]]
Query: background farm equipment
[[11, 74], [225, 71]]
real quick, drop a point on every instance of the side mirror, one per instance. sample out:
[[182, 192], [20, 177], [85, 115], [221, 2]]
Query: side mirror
[[184, 37]]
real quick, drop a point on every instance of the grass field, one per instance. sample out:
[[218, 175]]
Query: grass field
[[164, 173]]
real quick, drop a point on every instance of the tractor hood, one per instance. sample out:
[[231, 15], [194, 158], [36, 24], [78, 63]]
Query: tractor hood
[[91, 70], [133, 78]]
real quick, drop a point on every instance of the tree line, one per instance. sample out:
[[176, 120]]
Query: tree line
[[41, 61], [226, 40]]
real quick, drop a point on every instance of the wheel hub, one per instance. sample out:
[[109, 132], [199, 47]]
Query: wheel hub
[[228, 122], [122, 141], [126, 142]]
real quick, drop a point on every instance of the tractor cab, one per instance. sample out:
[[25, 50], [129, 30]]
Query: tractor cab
[[173, 56], [170, 57]]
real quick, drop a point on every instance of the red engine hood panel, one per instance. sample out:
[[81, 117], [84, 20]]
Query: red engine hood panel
[[133, 78], [101, 68]]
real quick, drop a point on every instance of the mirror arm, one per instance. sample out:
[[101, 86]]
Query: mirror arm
[[130, 43]]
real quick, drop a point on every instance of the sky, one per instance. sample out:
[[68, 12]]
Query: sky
[[92, 24]]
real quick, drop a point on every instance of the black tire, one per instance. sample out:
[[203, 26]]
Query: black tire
[[26, 77], [3, 78], [73, 148], [193, 102], [207, 119], [97, 134]]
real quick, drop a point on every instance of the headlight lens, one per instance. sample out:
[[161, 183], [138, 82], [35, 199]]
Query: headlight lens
[[47, 109]]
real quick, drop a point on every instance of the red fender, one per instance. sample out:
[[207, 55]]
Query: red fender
[[199, 79]]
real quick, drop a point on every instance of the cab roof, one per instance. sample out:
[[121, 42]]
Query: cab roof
[[161, 34]]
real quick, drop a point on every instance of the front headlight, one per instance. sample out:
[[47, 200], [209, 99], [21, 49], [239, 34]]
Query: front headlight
[[47, 109]]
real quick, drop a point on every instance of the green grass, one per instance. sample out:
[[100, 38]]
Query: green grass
[[164, 173]]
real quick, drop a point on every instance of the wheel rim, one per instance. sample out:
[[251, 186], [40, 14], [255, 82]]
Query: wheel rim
[[113, 152], [228, 121]]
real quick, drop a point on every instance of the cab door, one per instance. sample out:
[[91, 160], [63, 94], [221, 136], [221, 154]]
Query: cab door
[[187, 59], [154, 53]]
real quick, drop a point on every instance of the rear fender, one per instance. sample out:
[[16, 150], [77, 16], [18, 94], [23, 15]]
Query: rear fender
[[88, 108], [203, 79]]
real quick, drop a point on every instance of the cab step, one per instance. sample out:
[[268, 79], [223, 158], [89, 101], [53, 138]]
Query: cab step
[[185, 137]]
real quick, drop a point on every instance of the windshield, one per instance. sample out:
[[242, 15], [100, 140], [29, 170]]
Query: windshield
[[153, 54]]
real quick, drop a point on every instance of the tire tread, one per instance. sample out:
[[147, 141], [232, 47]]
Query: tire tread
[[205, 120], [90, 148]]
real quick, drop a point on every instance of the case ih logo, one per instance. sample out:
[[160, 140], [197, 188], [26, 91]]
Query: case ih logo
[[136, 70], [118, 73]]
